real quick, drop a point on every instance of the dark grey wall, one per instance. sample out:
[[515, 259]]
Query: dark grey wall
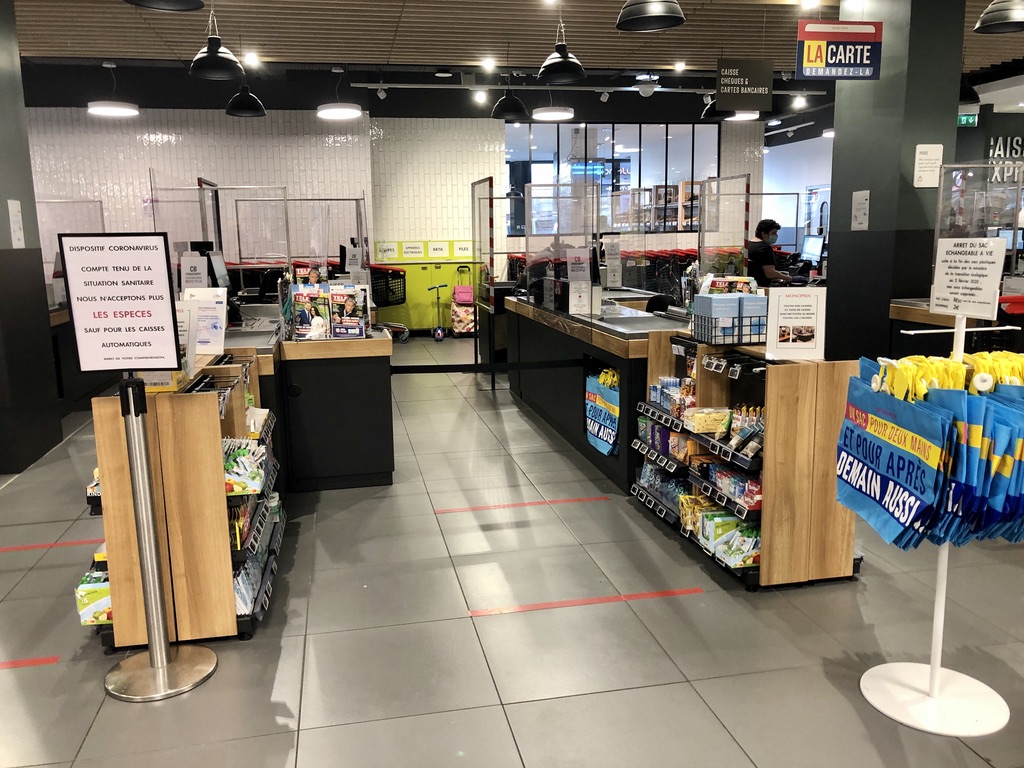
[[878, 127], [15, 162]]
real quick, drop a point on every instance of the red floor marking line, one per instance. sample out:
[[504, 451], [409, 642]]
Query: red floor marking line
[[21, 663], [516, 505], [27, 547], [585, 601]]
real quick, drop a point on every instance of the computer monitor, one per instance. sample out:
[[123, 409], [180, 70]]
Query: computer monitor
[[220, 269], [812, 249]]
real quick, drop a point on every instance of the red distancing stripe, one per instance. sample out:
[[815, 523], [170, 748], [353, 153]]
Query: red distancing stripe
[[27, 547], [585, 601], [19, 663], [517, 504]]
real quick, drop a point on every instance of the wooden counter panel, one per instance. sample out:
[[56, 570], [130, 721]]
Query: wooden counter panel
[[266, 365], [832, 524], [380, 346], [788, 462], [193, 462], [661, 361], [627, 349], [924, 317], [119, 529], [59, 317]]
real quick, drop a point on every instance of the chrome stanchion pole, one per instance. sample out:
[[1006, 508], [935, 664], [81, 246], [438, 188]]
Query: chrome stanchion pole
[[166, 671]]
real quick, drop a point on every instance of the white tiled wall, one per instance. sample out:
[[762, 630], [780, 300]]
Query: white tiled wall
[[742, 151], [422, 172], [78, 156]]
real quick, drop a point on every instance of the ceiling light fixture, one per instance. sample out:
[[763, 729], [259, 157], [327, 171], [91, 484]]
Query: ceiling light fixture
[[810, 3], [553, 114], [799, 102], [245, 104], [382, 93], [251, 59], [743, 116], [773, 123], [214, 61], [168, 5], [649, 15], [1000, 17], [647, 89], [680, 66], [443, 73], [338, 109], [561, 67], [480, 97], [112, 108], [829, 133], [764, 151], [605, 95], [488, 64], [510, 106]]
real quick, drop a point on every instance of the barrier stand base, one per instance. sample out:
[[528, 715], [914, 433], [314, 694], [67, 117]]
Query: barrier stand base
[[135, 680]]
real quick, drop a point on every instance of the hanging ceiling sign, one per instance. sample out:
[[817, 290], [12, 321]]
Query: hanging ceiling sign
[[839, 51], [744, 85]]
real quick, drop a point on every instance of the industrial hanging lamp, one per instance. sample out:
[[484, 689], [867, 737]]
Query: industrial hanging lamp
[[112, 108], [561, 67], [168, 5], [510, 107], [649, 16], [338, 109], [1000, 17], [214, 61], [245, 104]]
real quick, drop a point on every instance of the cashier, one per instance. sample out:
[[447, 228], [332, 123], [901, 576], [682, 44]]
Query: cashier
[[761, 263]]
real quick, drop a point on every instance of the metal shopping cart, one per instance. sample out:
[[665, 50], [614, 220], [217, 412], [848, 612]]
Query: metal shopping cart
[[387, 285]]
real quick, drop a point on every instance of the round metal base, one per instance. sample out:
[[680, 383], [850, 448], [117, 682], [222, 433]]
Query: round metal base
[[964, 706], [134, 680]]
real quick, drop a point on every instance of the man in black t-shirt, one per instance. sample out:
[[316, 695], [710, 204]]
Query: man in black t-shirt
[[761, 256]]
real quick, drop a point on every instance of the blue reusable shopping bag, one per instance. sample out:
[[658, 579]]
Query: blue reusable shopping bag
[[602, 416]]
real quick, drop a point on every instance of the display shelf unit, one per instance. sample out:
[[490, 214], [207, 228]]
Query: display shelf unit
[[185, 432], [705, 488], [655, 503], [806, 535], [717, 447], [667, 463]]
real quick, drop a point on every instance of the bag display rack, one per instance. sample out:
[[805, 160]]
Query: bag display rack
[[200, 553], [806, 536]]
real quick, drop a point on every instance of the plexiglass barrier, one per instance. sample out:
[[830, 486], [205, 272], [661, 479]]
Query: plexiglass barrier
[[724, 224], [65, 217]]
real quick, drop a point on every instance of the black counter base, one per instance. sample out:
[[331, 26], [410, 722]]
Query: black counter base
[[342, 481]]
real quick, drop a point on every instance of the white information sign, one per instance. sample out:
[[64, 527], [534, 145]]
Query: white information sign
[[927, 165], [796, 324], [578, 260], [440, 250], [967, 277], [17, 223], [193, 272], [122, 305], [353, 258], [188, 325], [861, 211], [212, 320], [387, 251], [613, 258], [413, 250], [579, 298], [464, 250]]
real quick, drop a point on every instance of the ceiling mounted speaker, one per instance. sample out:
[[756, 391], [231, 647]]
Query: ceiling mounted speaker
[[1000, 17], [168, 5], [510, 108], [244, 104], [649, 16], [561, 67], [215, 62]]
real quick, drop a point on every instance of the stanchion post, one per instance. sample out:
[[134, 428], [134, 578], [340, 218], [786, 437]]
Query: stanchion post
[[166, 672]]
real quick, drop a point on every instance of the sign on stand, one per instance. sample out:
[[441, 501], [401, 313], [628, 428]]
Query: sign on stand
[[193, 272], [613, 258], [121, 301], [967, 277], [796, 324]]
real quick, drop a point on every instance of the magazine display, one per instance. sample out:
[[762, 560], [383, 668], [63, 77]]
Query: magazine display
[[349, 311], [311, 310]]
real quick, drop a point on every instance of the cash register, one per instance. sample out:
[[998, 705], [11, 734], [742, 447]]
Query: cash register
[[809, 259]]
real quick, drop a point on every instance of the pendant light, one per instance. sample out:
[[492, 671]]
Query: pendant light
[[553, 114], [337, 109], [168, 5], [1000, 17], [245, 104], [214, 61], [112, 108], [510, 107], [649, 16], [561, 67]]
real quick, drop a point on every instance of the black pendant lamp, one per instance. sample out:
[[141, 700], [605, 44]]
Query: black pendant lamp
[[214, 61], [561, 67], [510, 108], [245, 104], [1000, 17], [649, 15], [168, 5]]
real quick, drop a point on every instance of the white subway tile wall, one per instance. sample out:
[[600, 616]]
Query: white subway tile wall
[[742, 151], [78, 156], [422, 172]]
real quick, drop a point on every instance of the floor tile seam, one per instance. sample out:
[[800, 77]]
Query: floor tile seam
[[725, 727], [538, 548], [617, 689], [496, 705], [522, 504], [315, 633], [629, 597], [85, 735], [174, 749], [305, 635]]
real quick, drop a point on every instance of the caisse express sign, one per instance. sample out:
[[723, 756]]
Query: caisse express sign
[[839, 51]]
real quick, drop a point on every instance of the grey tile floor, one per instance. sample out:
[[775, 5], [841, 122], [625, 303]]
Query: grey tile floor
[[370, 655]]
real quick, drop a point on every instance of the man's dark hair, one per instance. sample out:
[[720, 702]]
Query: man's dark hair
[[764, 226]]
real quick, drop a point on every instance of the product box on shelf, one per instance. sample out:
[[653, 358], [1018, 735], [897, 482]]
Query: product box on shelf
[[682, 447], [714, 526], [690, 509], [704, 421], [92, 596], [740, 548]]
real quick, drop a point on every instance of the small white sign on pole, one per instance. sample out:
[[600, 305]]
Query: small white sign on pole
[[213, 318], [928, 165], [193, 272], [861, 218], [796, 324], [967, 276], [579, 264], [579, 298], [121, 302], [613, 259]]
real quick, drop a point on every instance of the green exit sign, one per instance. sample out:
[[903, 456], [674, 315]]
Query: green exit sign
[[966, 121]]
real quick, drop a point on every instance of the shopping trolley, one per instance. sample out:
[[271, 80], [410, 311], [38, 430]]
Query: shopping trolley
[[387, 285]]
